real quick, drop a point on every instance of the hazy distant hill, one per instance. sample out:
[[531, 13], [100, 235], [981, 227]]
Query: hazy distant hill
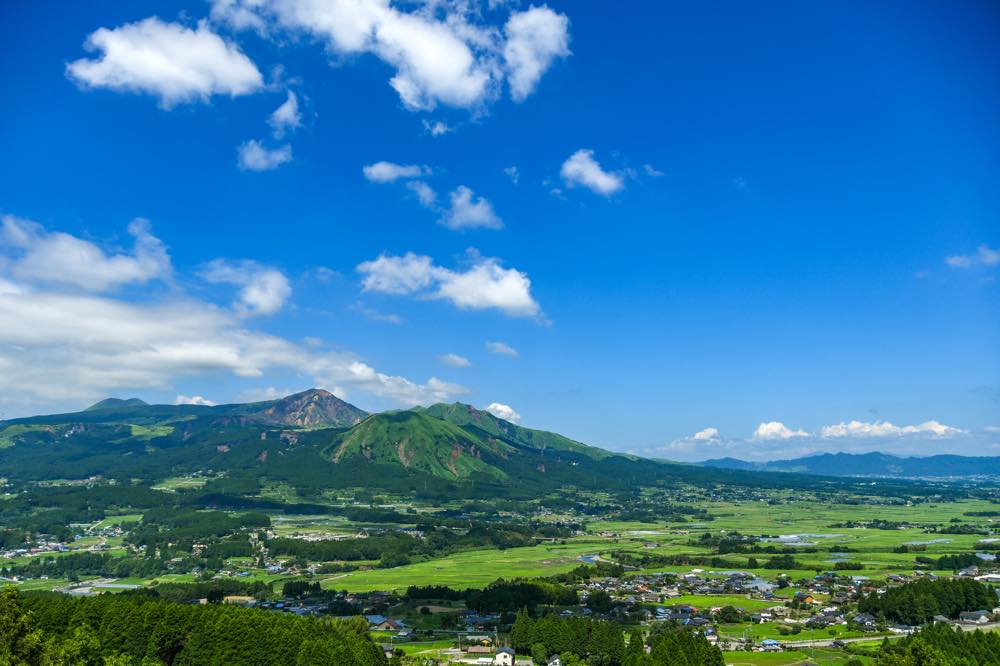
[[871, 464]]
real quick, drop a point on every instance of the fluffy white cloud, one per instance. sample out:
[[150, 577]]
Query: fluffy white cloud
[[425, 193], [501, 348], [436, 128], [887, 429], [263, 290], [286, 117], [252, 156], [36, 255], [455, 361], [582, 169], [535, 38], [398, 275], [483, 285], [59, 344], [193, 400], [513, 174], [706, 435], [388, 172], [442, 53], [167, 60], [984, 256], [502, 411], [469, 212], [776, 430]]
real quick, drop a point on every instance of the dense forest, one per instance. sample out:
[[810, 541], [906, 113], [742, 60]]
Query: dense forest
[[602, 643], [127, 629], [941, 645], [918, 602]]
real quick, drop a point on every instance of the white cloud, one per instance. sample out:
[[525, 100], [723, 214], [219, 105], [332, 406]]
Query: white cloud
[[58, 345], [436, 128], [535, 38], [513, 174], [252, 156], [582, 169], [388, 172], [193, 400], [651, 171], [483, 285], [776, 430], [263, 290], [167, 60], [455, 361], [398, 275], [469, 212], [860, 429], [502, 411], [984, 256], [425, 193], [435, 61], [442, 53], [38, 256], [706, 435], [286, 117], [501, 348]]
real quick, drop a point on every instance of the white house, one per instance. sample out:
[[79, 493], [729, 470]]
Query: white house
[[504, 657]]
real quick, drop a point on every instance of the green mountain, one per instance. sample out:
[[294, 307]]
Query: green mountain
[[487, 425], [873, 464], [416, 440], [116, 403]]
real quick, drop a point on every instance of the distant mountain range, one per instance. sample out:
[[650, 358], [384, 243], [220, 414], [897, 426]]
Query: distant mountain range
[[872, 465]]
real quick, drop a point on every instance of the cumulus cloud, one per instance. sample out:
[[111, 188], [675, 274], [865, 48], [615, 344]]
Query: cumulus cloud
[[513, 174], [425, 193], [39, 256], [485, 284], [501, 348], [582, 169], [468, 211], [193, 400], [389, 172], [984, 256], [59, 343], [454, 59], [286, 117], [253, 156], [706, 435], [263, 290], [776, 430], [652, 171], [436, 128], [535, 38], [887, 429], [502, 411], [175, 63], [455, 361]]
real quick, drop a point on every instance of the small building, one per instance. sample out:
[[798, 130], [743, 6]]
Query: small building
[[504, 657], [974, 617]]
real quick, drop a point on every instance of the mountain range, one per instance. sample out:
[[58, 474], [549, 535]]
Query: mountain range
[[872, 465], [315, 442]]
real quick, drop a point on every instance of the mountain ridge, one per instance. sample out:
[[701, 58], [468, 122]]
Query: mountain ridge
[[872, 464]]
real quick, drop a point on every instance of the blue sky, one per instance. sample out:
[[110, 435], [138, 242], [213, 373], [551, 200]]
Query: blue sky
[[715, 219]]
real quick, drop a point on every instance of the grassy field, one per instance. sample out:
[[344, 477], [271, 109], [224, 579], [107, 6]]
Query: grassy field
[[821, 656], [175, 483], [475, 568]]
